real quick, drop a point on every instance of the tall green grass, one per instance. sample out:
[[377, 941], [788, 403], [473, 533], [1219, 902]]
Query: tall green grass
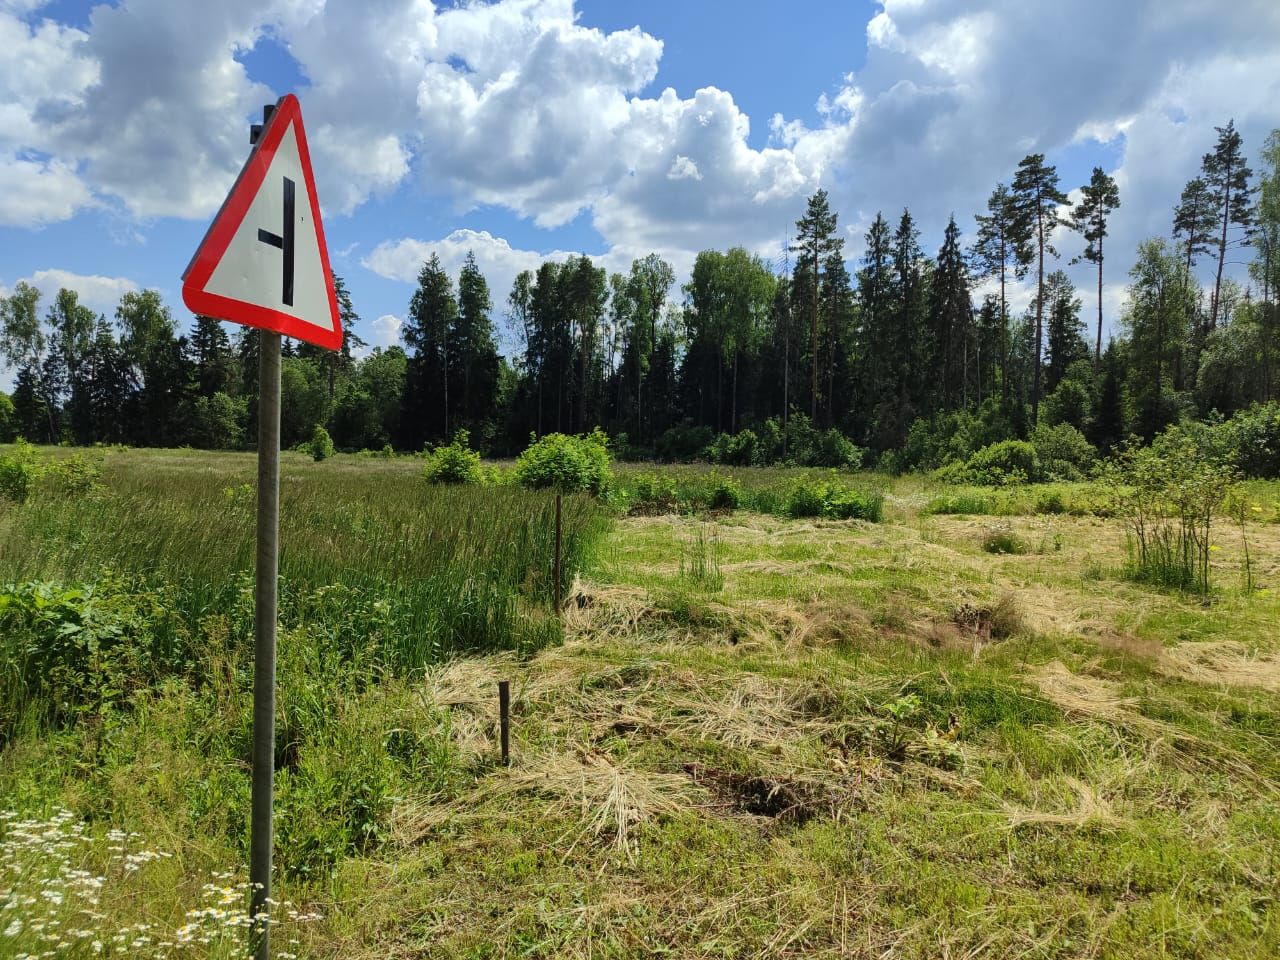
[[373, 555]]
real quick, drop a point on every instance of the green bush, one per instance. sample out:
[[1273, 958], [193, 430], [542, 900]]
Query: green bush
[[18, 472], [950, 437], [1168, 494], [71, 650], [320, 446], [1063, 452], [566, 463], [725, 493], [962, 504], [8, 419], [72, 477], [455, 463], [653, 493], [1255, 436], [827, 498], [833, 449], [996, 465], [741, 449]]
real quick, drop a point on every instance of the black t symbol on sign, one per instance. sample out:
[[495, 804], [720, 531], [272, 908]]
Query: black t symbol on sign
[[284, 243]]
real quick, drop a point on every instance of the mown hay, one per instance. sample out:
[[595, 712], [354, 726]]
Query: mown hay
[[1223, 662]]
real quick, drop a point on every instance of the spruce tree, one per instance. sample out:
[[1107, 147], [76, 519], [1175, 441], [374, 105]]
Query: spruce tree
[[816, 241], [950, 317], [211, 353], [432, 314], [875, 294], [1193, 221], [1066, 343], [474, 355], [1099, 197], [1107, 427]]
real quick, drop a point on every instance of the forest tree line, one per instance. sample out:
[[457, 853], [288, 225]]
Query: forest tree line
[[744, 344]]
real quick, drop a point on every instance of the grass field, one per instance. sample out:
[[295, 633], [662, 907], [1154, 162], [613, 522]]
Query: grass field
[[760, 737]]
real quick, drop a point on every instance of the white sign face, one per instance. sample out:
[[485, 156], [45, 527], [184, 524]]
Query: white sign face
[[273, 260], [264, 260]]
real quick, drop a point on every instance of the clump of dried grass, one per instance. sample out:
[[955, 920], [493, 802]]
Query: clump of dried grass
[[1088, 809], [1224, 662], [1084, 696], [608, 801]]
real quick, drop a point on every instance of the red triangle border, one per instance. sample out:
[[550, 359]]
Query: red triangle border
[[227, 222]]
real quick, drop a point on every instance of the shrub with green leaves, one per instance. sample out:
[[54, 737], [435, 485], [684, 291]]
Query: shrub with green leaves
[[1250, 440], [70, 477], [455, 463], [1255, 435], [72, 649], [725, 493], [996, 465], [566, 463], [948, 437], [1062, 452], [831, 499], [652, 493], [8, 419], [741, 449], [18, 473], [1168, 494], [832, 448], [320, 446]]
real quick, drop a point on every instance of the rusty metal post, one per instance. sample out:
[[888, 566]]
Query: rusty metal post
[[504, 719]]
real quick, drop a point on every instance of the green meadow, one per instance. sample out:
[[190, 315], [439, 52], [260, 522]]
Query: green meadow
[[951, 724]]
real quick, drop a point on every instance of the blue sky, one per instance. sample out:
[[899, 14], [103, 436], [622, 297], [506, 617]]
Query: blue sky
[[524, 128]]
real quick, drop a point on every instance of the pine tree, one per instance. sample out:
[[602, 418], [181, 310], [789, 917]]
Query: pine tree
[[1036, 199], [909, 304], [1193, 222], [1265, 268], [70, 334], [157, 362], [992, 338], [839, 310], [1100, 196], [1226, 175], [1000, 236], [108, 383], [338, 362]]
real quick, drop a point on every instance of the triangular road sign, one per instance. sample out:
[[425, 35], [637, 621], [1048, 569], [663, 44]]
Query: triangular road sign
[[264, 261]]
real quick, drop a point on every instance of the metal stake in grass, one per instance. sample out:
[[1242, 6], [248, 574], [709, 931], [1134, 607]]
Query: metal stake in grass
[[504, 719]]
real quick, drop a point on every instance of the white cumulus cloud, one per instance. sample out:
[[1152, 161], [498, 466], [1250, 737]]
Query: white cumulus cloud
[[98, 293]]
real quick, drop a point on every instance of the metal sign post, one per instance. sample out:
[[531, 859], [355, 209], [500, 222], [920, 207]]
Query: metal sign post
[[264, 638], [264, 263]]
